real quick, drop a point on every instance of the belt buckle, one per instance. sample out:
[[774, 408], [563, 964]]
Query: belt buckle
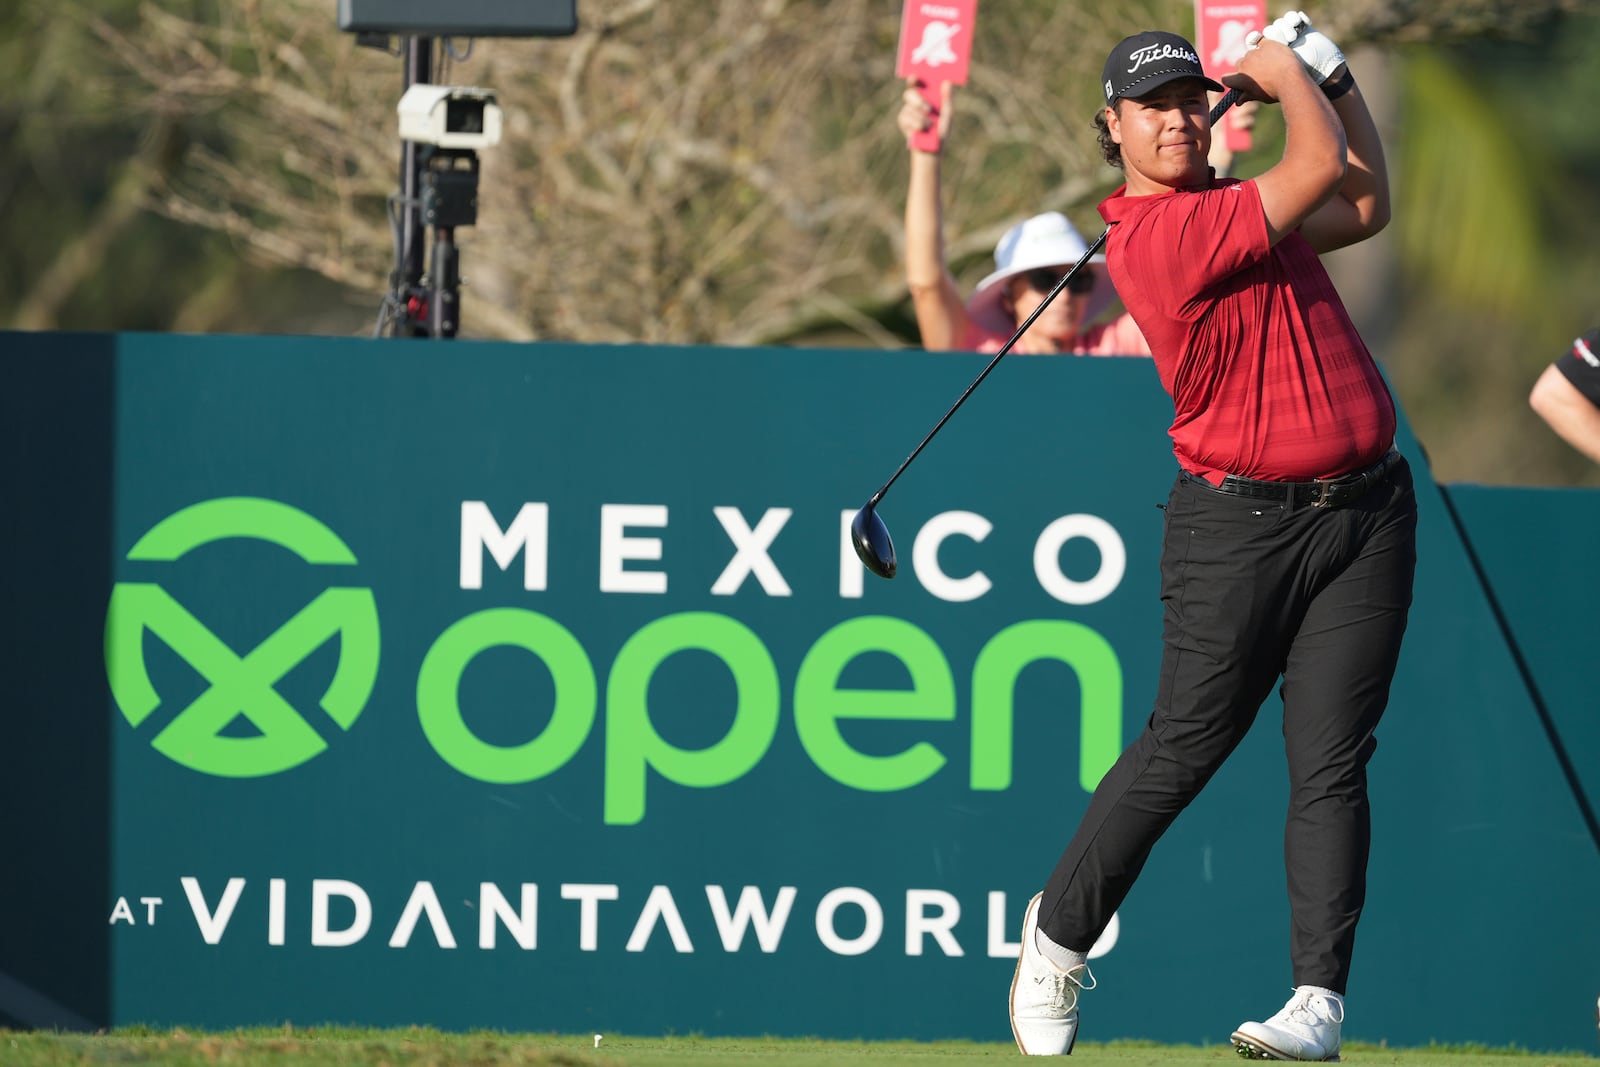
[[1322, 499]]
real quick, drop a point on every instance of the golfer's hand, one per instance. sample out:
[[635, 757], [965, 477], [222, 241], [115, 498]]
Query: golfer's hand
[[1316, 50], [1266, 66], [916, 116]]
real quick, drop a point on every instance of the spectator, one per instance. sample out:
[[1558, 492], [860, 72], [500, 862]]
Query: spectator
[[1567, 395], [1029, 260]]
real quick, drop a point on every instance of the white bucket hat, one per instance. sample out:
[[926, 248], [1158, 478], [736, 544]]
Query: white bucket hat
[[1046, 240]]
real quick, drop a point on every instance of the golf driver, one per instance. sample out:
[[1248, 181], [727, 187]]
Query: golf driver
[[867, 531]]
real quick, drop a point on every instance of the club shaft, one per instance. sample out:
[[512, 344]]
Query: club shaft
[[1227, 101]]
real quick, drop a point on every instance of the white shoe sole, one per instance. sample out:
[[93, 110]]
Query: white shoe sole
[[1011, 1005], [1252, 1048]]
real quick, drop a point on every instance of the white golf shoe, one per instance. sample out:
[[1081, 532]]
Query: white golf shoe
[[1044, 998], [1307, 1029]]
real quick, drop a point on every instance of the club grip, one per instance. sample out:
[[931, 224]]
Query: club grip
[[1229, 98]]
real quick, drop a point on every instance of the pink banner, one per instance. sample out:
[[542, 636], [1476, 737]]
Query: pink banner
[[935, 47], [1220, 29]]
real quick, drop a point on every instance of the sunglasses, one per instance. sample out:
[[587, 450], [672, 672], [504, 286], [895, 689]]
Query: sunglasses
[[1044, 279]]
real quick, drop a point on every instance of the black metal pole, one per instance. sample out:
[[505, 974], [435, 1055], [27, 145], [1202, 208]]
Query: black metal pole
[[419, 71], [444, 290]]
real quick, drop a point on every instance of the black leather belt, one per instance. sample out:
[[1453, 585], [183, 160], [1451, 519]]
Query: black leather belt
[[1323, 493]]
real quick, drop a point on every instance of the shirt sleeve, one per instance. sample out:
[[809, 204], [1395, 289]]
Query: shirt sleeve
[[1580, 364], [1194, 243]]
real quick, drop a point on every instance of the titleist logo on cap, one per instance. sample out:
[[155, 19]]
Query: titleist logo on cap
[[1151, 53], [1146, 61]]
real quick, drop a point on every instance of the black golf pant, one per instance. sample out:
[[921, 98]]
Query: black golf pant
[[1253, 590]]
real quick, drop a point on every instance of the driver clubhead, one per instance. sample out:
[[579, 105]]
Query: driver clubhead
[[871, 538]]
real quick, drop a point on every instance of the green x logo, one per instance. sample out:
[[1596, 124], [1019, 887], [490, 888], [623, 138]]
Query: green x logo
[[241, 685]]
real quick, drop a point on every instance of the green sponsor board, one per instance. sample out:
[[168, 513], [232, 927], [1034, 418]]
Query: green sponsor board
[[491, 685], [1535, 551]]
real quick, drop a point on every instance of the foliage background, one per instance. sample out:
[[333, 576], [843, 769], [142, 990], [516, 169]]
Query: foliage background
[[728, 172]]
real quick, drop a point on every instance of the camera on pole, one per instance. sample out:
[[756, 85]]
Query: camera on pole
[[441, 129], [450, 116], [448, 124]]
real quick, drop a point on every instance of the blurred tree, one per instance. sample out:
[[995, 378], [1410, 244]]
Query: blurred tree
[[1497, 227], [720, 172], [85, 156]]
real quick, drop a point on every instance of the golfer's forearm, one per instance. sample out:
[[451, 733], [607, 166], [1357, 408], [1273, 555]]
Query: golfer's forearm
[[1366, 177], [1298, 192], [1314, 138]]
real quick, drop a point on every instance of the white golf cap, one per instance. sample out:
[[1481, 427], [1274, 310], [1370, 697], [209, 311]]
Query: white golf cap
[[1046, 240]]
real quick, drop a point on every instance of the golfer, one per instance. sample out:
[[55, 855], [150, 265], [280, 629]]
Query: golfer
[[1290, 538]]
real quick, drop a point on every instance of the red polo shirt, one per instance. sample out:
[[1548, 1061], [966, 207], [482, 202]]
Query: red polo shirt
[[1267, 374]]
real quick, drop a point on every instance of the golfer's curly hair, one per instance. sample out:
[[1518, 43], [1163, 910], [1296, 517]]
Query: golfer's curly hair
[[1109, 149]]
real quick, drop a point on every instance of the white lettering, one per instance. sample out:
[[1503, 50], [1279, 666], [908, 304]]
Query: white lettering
[[1047, 559], [424, 901], [851, 569], [1152, 53], [322, 890], [941, 926], [150, 906], [529, 533], [212, 925], [589, 897], [523, 926], [276, 910], [925, 555], [999, 947], [871, 932], [929, 913], [659, 907], [751, 557], [621, 543], [752, 909], [616, 548]]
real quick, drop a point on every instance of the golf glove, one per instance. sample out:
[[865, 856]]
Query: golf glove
[[1317, 52]]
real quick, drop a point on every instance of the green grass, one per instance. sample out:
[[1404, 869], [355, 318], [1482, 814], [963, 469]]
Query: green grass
[[417, 1047]]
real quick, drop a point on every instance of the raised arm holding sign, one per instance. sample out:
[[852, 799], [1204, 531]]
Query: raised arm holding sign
[[935, 47]]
